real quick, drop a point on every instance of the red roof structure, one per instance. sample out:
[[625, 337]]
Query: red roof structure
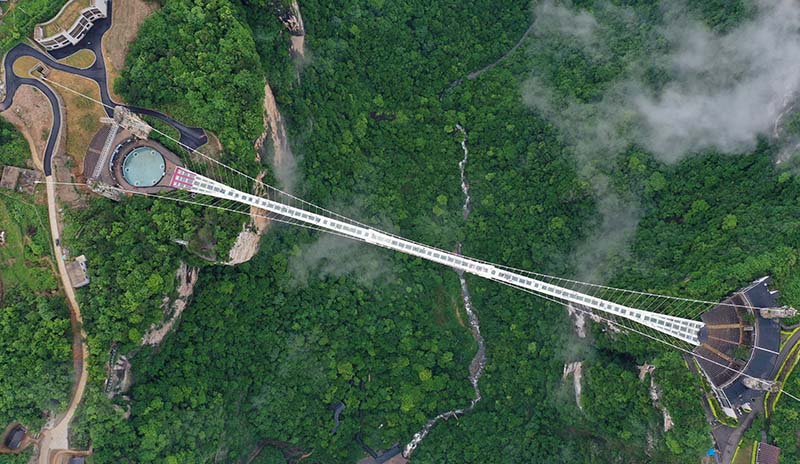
[[767, 454]]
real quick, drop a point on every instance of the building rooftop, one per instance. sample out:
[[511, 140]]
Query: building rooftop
[[736, 340], [78, 272], [767, 454], [143, 167]]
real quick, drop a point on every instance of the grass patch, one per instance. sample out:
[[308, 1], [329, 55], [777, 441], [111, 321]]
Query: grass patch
[[25, 257], [742, 454], [786, 335], [81, 59], [23, 65], [82, 115], [784, 372], [65, 20]]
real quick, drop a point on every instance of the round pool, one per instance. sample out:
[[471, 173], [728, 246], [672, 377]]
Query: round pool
[[143, 167]]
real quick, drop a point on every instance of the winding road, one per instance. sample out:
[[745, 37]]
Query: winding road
[[192, 137], [54, 441]]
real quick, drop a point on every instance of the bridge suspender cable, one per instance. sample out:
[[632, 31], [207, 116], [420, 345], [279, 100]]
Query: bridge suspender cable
[[685, 330], [545, 297], [352, 221]]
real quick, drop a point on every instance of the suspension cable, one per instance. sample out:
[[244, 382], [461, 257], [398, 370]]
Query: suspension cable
[[353, 221], [633, 329]]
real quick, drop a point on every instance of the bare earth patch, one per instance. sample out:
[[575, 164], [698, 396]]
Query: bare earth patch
[[32, 115], [127, 17], [82, 116], [576, 369], [212, 148], [246, 245], [247, 241], [273, 128], [66, 172]]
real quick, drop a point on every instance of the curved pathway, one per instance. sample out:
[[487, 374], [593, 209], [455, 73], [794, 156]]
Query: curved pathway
[[475, 74], [55, 440], [192, 137], [13, 83]]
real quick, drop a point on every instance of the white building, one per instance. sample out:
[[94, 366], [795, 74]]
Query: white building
[[70, 25]]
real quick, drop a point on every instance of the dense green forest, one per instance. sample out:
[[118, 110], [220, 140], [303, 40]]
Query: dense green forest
[[35, 356], [20, 18], [267, 346]]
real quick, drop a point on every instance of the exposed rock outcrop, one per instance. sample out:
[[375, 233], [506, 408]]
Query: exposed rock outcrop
[[187, 278], [576, 369]]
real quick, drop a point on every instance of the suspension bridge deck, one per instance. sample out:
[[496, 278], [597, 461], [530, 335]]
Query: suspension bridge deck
[[686, 330]]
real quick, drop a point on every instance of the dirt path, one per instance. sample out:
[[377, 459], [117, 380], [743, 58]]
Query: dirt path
[[57, 437], [475, 74]]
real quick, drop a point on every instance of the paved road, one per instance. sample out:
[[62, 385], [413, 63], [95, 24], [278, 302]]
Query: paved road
[[728, 438], [787, 347], [57, 437], [12, 85], [192, 137]]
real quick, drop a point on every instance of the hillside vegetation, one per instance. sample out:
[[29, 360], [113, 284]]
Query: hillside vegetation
[[35, 356], [266, 347]]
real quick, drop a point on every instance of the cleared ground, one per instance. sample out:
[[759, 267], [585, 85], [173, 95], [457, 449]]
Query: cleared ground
[[82, 115], [23, 65], [127, 17], [744, 455], [32, 115]]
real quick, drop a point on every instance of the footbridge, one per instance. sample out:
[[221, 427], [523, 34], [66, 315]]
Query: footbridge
[[674, 321], [686, 330]]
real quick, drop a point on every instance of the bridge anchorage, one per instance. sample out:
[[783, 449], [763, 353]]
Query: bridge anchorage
[[735, 344]]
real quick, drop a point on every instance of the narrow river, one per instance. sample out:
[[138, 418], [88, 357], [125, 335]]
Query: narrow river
[[479, 360]]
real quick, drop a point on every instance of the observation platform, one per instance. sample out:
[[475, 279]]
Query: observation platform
[[736, 343], [119, 159]]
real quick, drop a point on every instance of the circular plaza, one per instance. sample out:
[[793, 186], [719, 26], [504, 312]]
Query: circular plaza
[[143, 167]]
